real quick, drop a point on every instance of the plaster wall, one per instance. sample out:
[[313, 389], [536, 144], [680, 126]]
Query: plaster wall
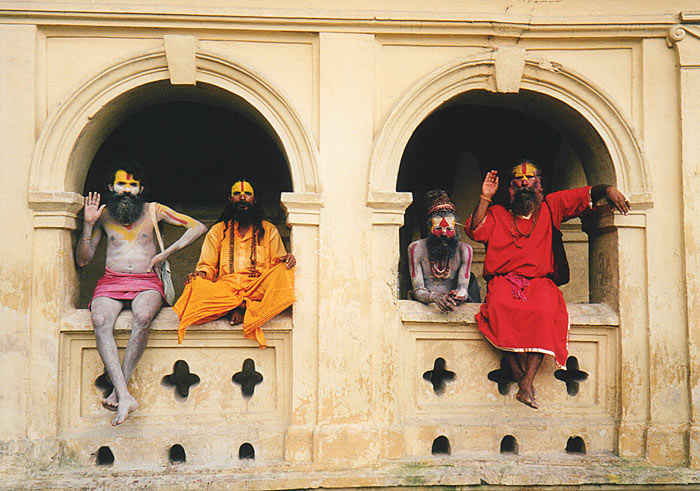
[[342, 90]]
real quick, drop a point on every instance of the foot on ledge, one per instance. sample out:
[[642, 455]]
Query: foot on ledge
[[111, 403], [126, 407]]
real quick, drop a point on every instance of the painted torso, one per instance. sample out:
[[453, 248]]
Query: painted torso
[[130, 248], [421, 271]]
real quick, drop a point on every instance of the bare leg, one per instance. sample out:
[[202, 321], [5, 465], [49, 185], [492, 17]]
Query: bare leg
[[143, 308], [526, 394], [104, 313], [515, 367], [237, 314]]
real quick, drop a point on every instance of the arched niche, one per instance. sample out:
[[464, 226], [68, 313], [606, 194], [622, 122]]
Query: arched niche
[[77, 127], [594, 145]]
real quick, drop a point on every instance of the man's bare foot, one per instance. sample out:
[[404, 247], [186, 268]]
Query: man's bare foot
[[111, 403], [527, 399], [237, 315], [126, 407]]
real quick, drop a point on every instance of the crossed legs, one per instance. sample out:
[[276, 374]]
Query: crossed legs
[[104, 314], [525, 378]]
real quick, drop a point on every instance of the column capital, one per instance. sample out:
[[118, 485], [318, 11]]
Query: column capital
[[302, 208], [388, 207], [55, 209]]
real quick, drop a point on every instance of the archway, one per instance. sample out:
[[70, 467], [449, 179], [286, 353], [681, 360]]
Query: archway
[[477, 131], [595, 133], [77, 128], [192, 142]]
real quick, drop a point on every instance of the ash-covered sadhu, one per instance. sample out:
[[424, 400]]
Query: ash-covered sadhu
[[524, 313], [243, 270], [440, 264]]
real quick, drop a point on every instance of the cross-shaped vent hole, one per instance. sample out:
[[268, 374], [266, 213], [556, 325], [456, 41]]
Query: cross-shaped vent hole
[[246, 451], [576, 445], [247, 378], [104, 456], [509, 445], [439, 375], [441, 446], [181, 379], [177, 454], [104, 384], [503, 377], [572, 376]]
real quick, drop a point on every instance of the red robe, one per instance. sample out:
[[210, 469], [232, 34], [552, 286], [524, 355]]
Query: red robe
[[524, 311]]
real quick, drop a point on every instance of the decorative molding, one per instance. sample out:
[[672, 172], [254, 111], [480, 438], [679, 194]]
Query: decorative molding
[[58, 209], [508, 65], [180, 53], [688, 51], [539, 75], [302, 208], [388, 208], [55, 167]]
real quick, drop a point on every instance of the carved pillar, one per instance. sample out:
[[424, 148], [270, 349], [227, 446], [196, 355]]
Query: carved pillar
[[303, 216], [686, 40], [618, 277], [387, 217], [54, 284]]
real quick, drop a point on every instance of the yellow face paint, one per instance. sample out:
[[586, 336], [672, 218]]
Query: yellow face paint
[[125, 183], [525, 170], [242, 187]]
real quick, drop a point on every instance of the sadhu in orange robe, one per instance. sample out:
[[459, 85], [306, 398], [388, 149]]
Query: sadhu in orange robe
[[228, 281]]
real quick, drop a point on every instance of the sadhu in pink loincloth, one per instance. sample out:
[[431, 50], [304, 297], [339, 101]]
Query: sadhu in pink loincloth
[[125, 286]]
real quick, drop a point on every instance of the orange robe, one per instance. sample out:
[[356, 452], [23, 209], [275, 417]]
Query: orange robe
[[207, 299]]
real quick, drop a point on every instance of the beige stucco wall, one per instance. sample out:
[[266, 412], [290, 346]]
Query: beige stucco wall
[[344, 402]]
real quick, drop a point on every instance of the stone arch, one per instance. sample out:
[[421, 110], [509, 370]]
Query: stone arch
[[478, 72], [61, 159]]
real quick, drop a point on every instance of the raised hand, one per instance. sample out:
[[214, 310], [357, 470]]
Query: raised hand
[[490, 184], [93, 209], [617, 200]]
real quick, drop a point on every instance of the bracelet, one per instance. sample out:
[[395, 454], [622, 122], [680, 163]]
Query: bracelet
[[88, 238], [485, 198]]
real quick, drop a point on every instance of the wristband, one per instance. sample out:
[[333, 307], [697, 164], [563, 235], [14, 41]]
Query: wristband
[[485, 198]]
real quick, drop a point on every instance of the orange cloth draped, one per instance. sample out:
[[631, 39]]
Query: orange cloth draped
[[207, 299]]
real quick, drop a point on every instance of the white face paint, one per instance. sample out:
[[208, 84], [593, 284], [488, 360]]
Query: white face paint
[[125, 183]]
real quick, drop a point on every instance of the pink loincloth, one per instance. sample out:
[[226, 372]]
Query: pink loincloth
[[125, 286]]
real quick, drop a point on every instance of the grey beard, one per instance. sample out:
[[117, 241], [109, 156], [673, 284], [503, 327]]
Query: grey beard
[[125, 208], [440, 249], [524, 201]]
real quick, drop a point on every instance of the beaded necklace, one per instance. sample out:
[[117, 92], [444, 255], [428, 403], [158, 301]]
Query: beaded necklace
[[253, 273], [515, 231]]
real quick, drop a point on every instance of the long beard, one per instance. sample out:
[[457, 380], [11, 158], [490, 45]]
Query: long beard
[[524, 201], [242, 215], [441, 249], [125, 208]]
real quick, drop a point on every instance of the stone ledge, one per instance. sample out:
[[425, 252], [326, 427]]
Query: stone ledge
[[580, 314], [584, 472], [79, 320]]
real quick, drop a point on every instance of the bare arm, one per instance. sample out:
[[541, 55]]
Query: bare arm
[[420, 292], [194, 230], [488, 189], [90, 237], [615, 198]]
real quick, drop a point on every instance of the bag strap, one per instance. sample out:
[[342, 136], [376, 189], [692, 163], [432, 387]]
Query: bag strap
[[152, 210], [551, 217]]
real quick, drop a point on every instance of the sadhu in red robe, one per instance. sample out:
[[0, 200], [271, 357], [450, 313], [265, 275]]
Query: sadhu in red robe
[[524, 311]]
